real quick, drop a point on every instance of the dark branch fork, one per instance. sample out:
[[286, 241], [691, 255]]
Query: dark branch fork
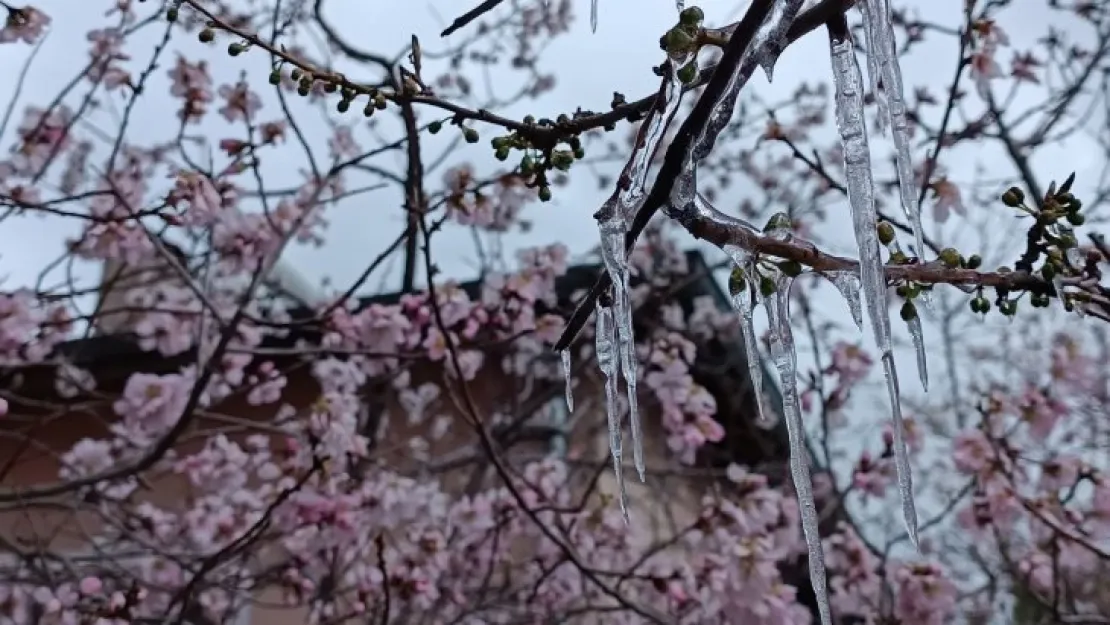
[[692, 127]]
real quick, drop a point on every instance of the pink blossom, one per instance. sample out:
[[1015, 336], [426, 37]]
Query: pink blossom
[[925, 593], [242, 103], [26, 24]]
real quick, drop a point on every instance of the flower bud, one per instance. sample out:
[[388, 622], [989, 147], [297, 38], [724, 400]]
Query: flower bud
[[687, 73], [545, 194], [950, 257], [1013, 197], [736, 281], [767, 286], [692, 16], [886, 233], [909, 311]]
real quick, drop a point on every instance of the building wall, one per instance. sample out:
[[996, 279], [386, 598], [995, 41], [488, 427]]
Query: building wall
[[35, 434]]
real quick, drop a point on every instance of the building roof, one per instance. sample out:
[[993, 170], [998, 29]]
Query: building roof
[[721, 367]]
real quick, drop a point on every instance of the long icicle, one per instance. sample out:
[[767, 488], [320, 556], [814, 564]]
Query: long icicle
[[568, 391], [615, 220], [742, 289], [609, 363], [873, 71], [886, 58], [782, 348], [857, 162]]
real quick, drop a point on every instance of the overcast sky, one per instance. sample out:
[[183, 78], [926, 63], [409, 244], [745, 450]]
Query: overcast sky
[[588, 67]]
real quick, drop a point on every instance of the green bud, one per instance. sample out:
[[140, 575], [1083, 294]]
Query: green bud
[[886, 233], [579, 153], [1004, 269], [235, 49], [470, 135], [909, 311], [343, 106], [974, 261], [1013, 197], [275, 77], [369, 109], [791, 268], [902, 290], [678, 41], [171, 14], [545, 194], [687, 73], [1008, 307], [767, 286], [379, 102], [501, 154], [206, 35], [562, 160], [330, 87], [295, 74], [736, 281], [1048, 271], [692, 16], [528, 119], [527, 164], [304, 88], [433, 127], [777, 222], [950, 257], [1076, 219]]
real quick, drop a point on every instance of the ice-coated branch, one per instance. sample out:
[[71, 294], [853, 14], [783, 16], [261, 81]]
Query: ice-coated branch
[[721, 230]]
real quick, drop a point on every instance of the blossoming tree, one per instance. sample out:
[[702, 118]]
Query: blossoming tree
[[305, 513]]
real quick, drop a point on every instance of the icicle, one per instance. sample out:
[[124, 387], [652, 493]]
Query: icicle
[[564, 358], [873, 67], [847, 282], [609, 363], [886, 57], [918, 337], [631, 198], [741, 292], [772, 30], [774, 40], [613, 229], [861, 194], [593, 15], [782, 349], [614, 218]]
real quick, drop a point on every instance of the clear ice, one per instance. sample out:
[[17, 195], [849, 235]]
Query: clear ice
[[614, 219], [848, 283], [786, 361], [851, 126], [918, 337], [609, 362], [883, 54], [568, 392], [742, 295]]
